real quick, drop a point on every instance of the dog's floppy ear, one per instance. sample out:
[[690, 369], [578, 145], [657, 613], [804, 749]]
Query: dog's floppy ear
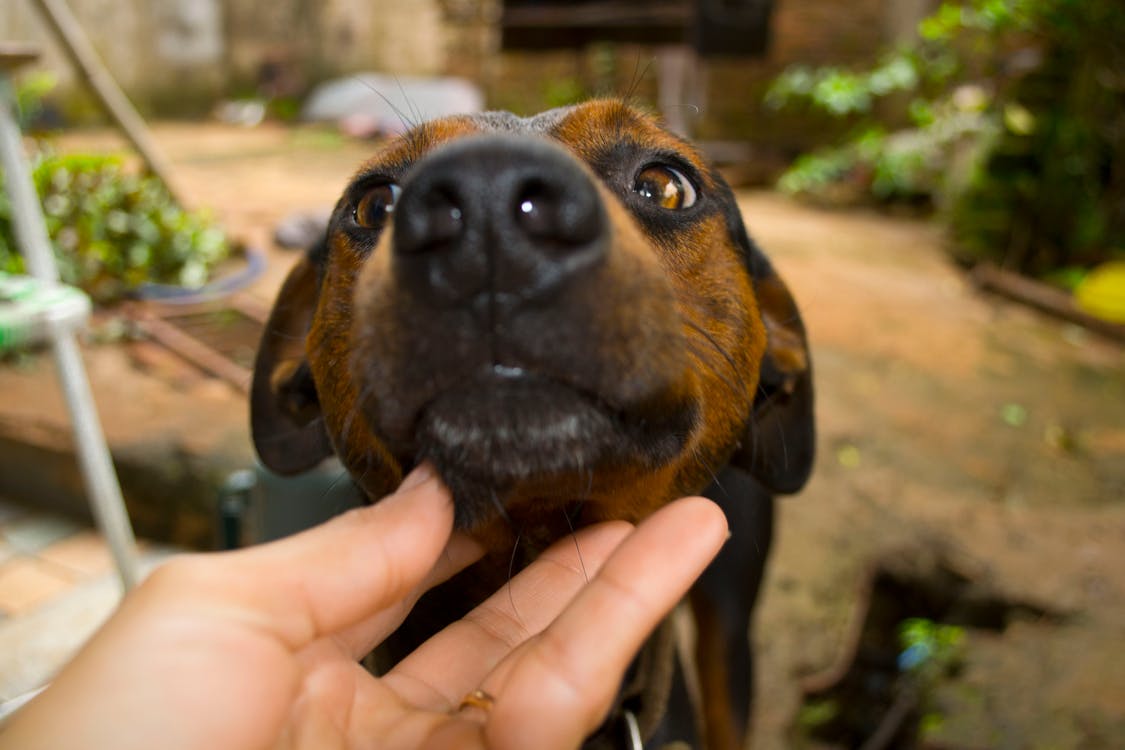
[[779, 445], [780, 441], [285, 418]]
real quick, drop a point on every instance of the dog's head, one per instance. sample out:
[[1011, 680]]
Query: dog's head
[[555, 309]]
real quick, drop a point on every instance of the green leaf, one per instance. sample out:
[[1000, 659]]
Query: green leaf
[[112, 229], [1014, 415]]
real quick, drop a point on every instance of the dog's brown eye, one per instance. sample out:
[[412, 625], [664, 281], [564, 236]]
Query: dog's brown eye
[[665, 186], [376, 205]]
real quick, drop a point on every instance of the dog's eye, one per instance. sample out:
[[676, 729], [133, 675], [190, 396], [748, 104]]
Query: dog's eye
[[376, 205], [665, 186]]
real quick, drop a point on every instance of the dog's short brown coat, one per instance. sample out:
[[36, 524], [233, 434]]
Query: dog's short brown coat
[[657, 357]]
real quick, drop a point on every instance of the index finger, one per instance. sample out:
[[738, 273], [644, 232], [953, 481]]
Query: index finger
[[557, 689]]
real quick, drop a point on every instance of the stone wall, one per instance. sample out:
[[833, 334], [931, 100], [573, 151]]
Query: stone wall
[[177, 56]]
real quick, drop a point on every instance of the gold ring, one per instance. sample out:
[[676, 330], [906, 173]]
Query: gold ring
[[477, 699]]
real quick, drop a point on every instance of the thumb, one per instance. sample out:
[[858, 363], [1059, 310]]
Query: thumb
[[328, 578]]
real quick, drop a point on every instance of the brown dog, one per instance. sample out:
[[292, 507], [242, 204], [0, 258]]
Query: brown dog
[[565, 315]]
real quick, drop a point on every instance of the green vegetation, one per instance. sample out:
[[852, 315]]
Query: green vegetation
[[31, 90], [113, 230], [1008, 116], [931, 651]]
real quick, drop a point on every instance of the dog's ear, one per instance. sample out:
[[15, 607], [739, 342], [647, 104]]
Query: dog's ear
[[285, 418], [779, 445]]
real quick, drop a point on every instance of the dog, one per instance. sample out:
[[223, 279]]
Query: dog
[[565, 315]]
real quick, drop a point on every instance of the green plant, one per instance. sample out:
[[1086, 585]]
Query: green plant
[[561, 92], [929, 648], [930, 651], [1008, 115], [113, 230], [31, 90], [946, 111]]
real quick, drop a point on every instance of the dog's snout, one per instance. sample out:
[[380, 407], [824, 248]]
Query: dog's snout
[[508, 218]]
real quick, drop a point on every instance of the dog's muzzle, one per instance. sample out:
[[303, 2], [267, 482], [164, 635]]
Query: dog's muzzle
[[512, 336], [496, 222]]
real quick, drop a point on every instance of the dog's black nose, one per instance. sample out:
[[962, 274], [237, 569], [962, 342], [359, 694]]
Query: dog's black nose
[[497, 218]]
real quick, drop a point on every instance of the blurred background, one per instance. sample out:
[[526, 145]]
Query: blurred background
[[941, 183]]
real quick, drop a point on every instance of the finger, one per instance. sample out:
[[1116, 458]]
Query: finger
[[455, 661], [558, 688], [329, 578], [359, 639]]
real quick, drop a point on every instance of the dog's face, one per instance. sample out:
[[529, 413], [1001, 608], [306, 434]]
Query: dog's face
[[555, 311]]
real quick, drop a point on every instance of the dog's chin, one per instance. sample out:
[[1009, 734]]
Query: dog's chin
[[506, 435]]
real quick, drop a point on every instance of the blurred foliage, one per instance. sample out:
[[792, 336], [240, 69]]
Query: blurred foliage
[[929, 647], [561, 92], [1008, 116], [930, 652], [31, 90], [113, 230]]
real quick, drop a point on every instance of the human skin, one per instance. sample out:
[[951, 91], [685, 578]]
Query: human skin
[[258, 648]]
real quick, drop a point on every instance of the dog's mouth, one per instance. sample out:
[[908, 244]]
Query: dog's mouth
[[509, 430], [511, 424]]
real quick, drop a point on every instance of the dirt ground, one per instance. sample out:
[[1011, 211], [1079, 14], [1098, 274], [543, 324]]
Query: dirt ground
[[969, 450]]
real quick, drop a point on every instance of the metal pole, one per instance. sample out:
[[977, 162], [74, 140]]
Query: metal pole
[[31, 233], [93, 454]]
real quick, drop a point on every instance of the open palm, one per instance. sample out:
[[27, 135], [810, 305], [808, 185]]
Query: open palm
[[258, 648]]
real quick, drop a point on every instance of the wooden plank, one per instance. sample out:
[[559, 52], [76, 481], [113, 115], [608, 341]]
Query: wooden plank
[[1042, 297], [196, 352], [672, 15], [15, 54]]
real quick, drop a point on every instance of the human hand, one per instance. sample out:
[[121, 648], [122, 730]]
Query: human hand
[[258, 648]]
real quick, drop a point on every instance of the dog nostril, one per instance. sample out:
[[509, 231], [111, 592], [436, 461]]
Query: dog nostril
[[446, 223], [536, 213], [566, 214], [439, 222]]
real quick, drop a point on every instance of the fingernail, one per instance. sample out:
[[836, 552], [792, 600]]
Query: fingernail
[[419, 475]]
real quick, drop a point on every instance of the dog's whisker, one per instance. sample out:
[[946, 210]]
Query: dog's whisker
[[362, 398], [577, 547], [359, 483], [584, 478], [784, 444], [768, 398], [721, 351], [639, 74], [349, 422], [710, 469], [405, 121], [341, 476], [695, 108], [415, 113], [511, 573], [281, 436], [734, 389], [500, 509], [284, 335]]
